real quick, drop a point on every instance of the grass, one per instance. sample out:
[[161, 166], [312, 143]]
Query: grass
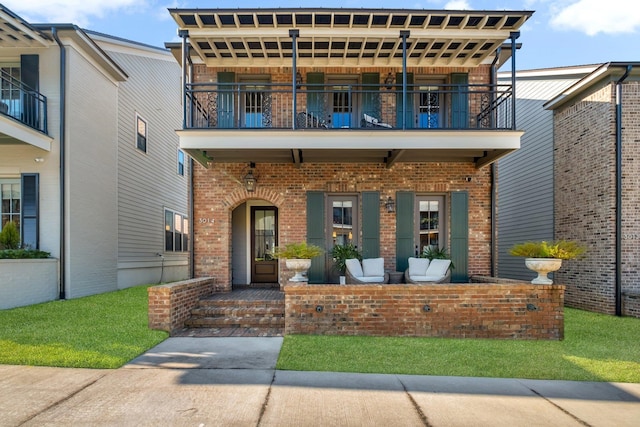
[[100, 331], [596, 347]]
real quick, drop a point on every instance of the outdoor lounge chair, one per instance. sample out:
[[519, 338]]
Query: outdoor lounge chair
[[371, 122], [371, 271], [421, 270]]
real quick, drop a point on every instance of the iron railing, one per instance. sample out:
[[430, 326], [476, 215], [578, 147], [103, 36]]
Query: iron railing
[[22, 103], [347, 106]]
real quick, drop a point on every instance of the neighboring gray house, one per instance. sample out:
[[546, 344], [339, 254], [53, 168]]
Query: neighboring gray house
[[576, 177], [525, 177], [90, 167]]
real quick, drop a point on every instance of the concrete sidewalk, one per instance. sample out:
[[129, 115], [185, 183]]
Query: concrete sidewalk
[[233, 382]]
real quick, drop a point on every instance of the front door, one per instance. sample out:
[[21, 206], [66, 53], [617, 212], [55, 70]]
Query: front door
[[264, 233]]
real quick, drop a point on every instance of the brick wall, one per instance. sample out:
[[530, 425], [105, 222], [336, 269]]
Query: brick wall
[[218, 192], [585, 191], [509, 311], [170, 305]]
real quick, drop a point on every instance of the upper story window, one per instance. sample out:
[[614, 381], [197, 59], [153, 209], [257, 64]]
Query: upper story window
[[141, 134], [180, 162]]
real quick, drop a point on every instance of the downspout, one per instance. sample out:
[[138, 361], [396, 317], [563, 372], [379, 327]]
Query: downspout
[[494, 195], [63, 75], [192, 264], [618, 290]]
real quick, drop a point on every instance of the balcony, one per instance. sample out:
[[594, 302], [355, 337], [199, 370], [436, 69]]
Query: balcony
[[351, 106], [378, 123], [23, 113]]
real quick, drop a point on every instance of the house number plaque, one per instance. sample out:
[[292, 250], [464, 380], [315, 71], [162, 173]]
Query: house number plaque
[[206, 220]]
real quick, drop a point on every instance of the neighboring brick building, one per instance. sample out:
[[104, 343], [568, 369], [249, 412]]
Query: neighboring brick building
[[338, 114], [590, 122]]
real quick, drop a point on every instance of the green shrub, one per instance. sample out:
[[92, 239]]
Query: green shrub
[[9, 236], [300, 250], [560, 249], [341, 253], [23, 254]]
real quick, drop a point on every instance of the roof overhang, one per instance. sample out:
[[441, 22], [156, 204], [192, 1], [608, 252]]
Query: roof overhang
[[16, 32], [609, 71], [481, 147], [346, 37]]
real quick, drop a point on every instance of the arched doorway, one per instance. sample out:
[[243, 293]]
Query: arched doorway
[[254, 237]]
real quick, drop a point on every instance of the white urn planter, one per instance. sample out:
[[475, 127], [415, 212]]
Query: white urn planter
[[543, 266], [300, 267]]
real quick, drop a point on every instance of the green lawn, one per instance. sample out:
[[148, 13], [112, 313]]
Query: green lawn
[[596, 348], [100, 331]]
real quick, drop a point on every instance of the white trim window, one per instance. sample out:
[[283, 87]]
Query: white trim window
[[180, 162], [141, 134], [176, 232], [11, 196]]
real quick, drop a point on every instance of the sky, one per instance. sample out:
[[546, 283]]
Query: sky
[[560, 32]]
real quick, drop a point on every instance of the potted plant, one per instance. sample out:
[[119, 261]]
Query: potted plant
[[340, 255], [298, 258], [544, 257]]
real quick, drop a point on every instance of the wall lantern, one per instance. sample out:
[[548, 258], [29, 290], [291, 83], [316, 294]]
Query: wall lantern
[[250, 180], [390, 204], [388, 81]]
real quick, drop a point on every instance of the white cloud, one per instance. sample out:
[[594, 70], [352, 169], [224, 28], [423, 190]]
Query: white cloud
[[598, 16], [457, 5], [77, 12]]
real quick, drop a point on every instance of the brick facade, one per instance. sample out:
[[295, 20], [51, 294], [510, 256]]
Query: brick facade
[[507, 311], [170, 305], [218, 191], [585, 191]]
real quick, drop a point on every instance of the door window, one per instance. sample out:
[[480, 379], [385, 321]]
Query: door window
[[430, 101], [430, 217]]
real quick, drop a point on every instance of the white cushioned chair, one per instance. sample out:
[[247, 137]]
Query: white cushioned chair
[[370, 271], [421, 270]]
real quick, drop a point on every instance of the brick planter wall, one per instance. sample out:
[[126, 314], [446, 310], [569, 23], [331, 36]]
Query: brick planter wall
[[487, 310], [170, 305]]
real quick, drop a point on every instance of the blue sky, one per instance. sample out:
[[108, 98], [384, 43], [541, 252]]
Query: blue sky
[[560, 33]]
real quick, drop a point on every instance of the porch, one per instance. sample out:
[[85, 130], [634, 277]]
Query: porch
[[498, 309]]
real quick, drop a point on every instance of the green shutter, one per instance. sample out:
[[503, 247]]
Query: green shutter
[[371, 95], [460, 101], [226, 104], [30, 76], [410, 89], [405, 201], [460, 236], [370, 224], [316, 234], [29, 210], [315, 96]]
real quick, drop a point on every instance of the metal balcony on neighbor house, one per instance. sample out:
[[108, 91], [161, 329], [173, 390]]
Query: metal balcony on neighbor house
[[22, 103], [330, 106]]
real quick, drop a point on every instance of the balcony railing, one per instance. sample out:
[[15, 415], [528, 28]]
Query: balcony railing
[[347, 106], [22, 103]]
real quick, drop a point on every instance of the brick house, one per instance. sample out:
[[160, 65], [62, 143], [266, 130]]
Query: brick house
[[372, 127], [596, 125]]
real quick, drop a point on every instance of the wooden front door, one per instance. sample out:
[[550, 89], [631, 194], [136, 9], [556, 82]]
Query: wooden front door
[[264, 233]]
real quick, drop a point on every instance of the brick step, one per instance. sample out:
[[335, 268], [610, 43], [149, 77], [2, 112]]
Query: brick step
[[235, 322], [240, 303], [238, 311]]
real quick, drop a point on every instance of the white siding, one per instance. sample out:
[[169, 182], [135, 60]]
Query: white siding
[[148, 182], [91, 178], [525, 177]]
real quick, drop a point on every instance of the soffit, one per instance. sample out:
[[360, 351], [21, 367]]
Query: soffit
[[15, 32], [329, 37]]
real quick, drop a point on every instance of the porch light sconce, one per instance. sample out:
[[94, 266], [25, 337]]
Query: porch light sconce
[[298, 79], [250, 180], [388, 81], [390, 204]]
